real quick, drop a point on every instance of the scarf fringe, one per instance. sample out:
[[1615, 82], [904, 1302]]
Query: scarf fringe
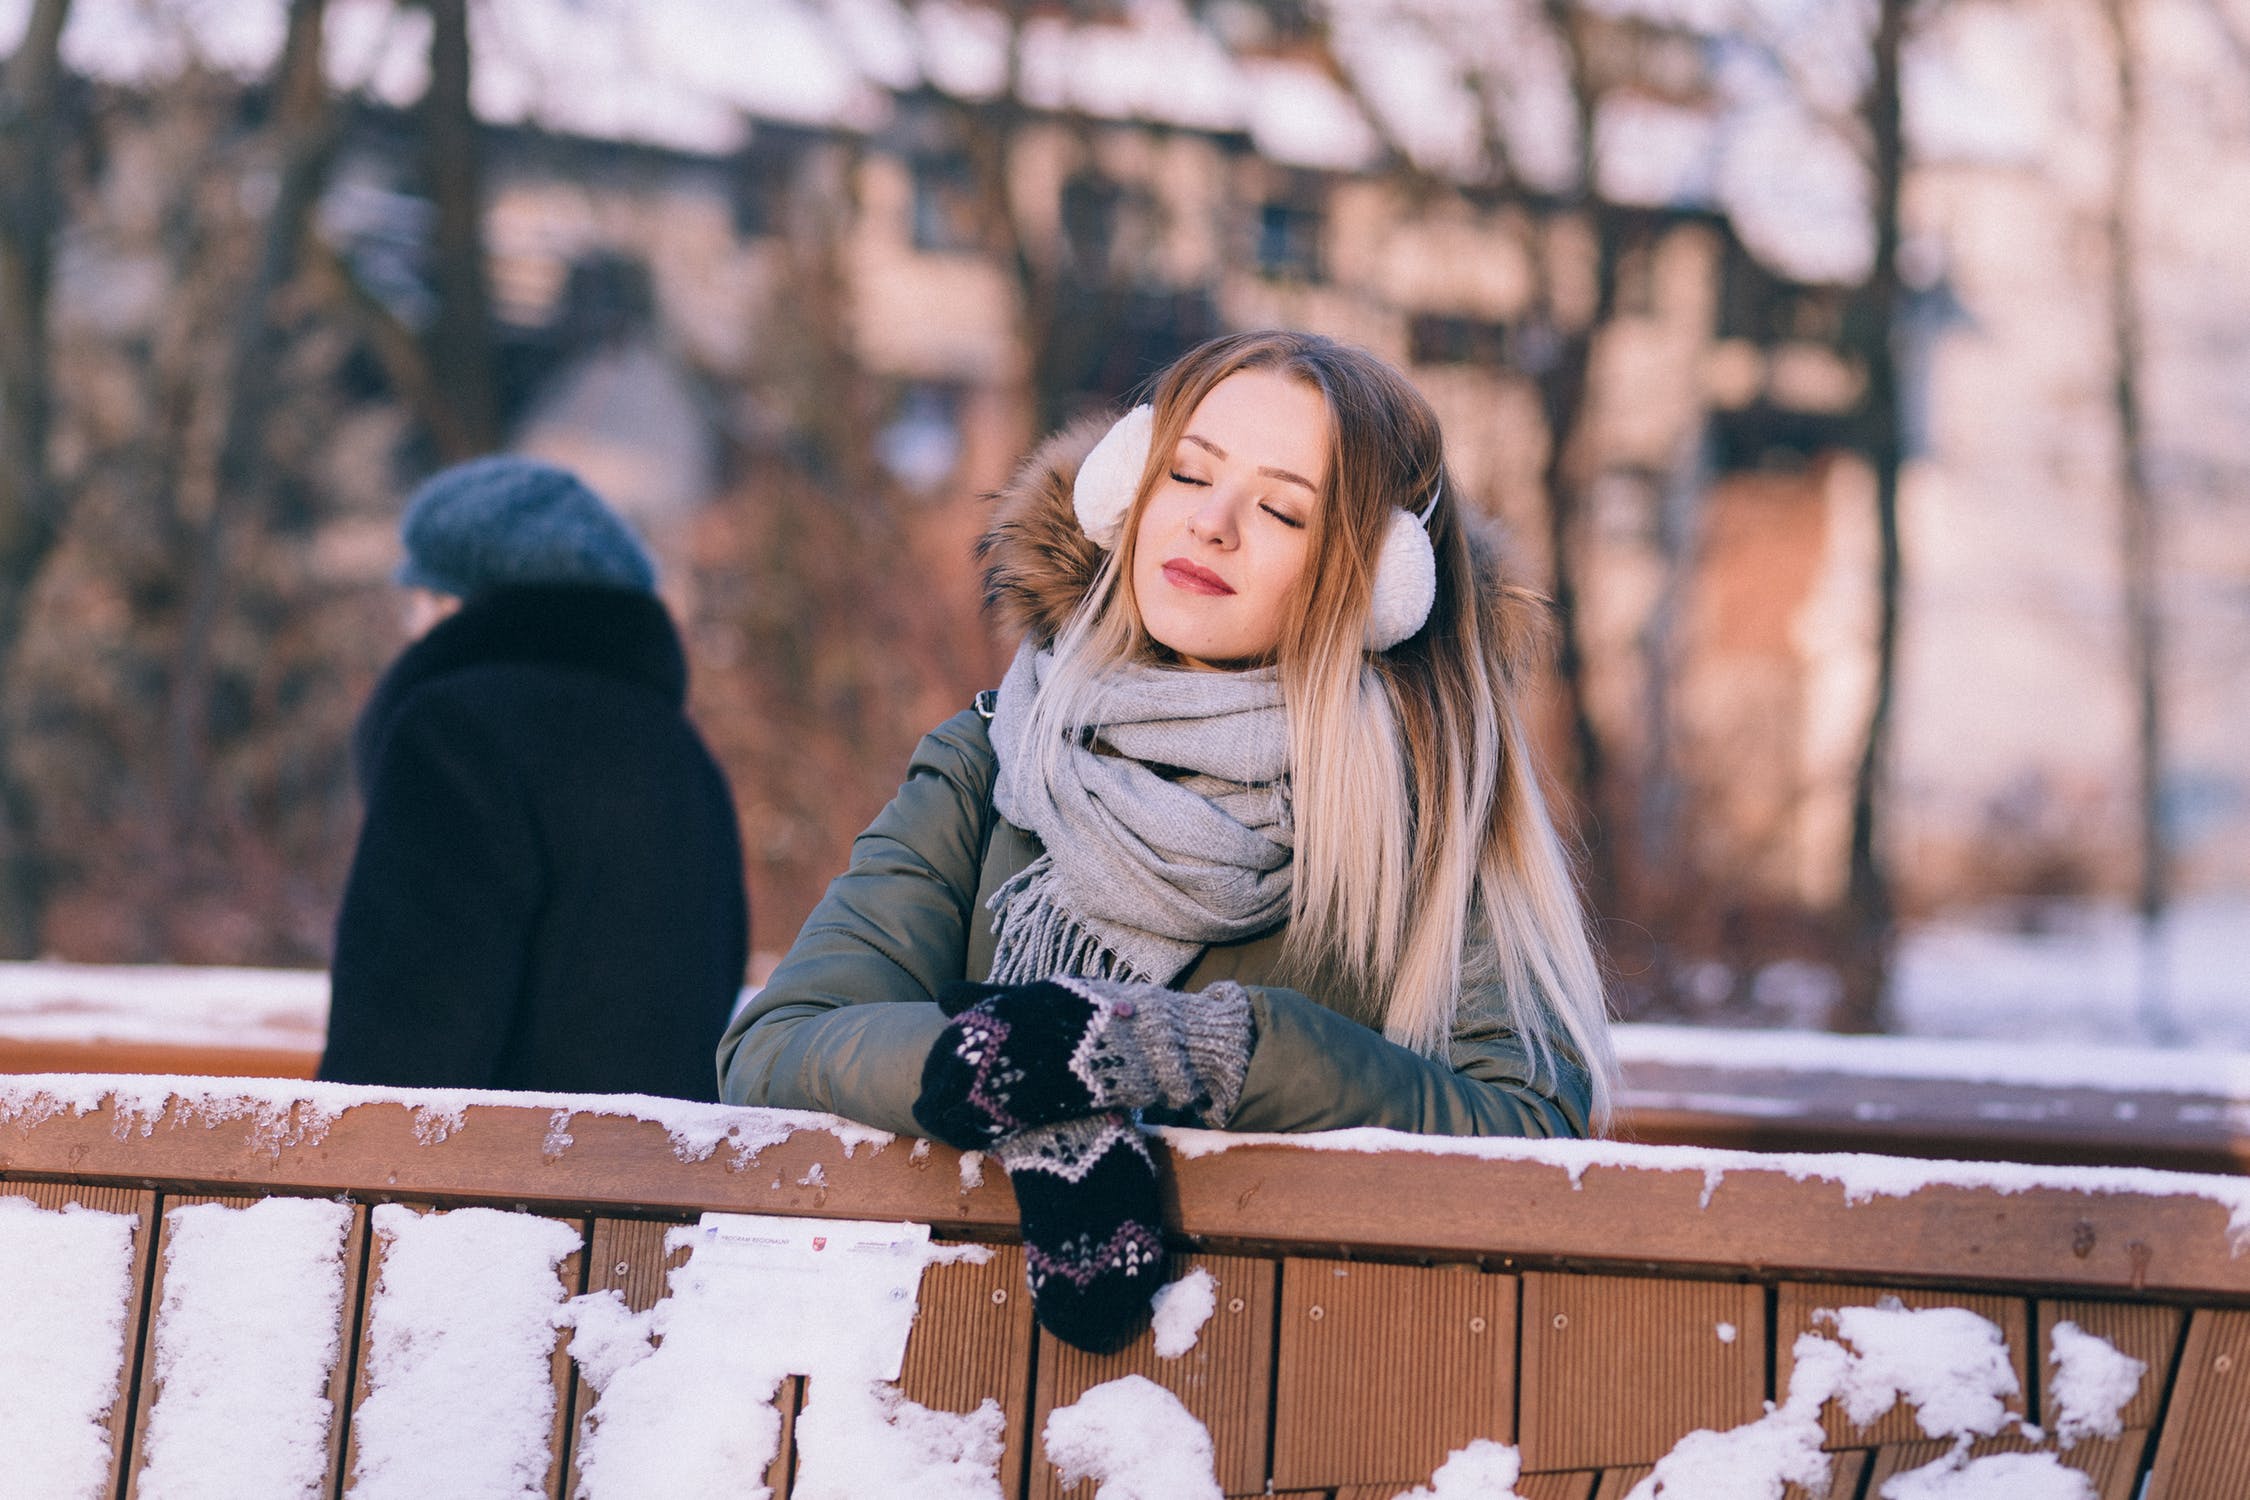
[[1037, 939]]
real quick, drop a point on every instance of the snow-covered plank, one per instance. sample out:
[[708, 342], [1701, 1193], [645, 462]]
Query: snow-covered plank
[[1797, 1309], [463, 1378], [73, 1266], [213, 1347], [1440, 1339], [2112, 1467], [2147, 1331], [2204, 1453], [1616, 1369], [2051, 1230], [630, 1257], [1225, 1381], [971, 1341]]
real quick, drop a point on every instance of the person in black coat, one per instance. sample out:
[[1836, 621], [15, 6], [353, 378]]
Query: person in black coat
[[548, 890]]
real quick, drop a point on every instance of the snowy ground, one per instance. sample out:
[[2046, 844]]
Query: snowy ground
[[2076, 975], [2064, 975]]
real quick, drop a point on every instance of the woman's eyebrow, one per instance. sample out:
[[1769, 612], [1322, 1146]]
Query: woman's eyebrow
[[1266, 469]]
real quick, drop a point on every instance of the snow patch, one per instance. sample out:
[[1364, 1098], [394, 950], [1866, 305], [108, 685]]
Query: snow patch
[[2092, 1382], [1181, 1309], [1997, 1476], [460, 1342], [67, 1275], [1484, 1470], [1135, 1440], [856, 1439], [246, 1339]]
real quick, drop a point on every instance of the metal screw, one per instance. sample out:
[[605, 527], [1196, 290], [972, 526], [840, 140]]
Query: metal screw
[[1561, 1321], [1476, 1325], [999, 1295], [2223, 1363], [621, 1268], [1234, 1305], [1316, 1312]]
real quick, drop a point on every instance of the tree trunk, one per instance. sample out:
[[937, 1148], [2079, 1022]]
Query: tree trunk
[[306, 129], [30, 518], [461, 352], [2139, 544], [1868, 900]]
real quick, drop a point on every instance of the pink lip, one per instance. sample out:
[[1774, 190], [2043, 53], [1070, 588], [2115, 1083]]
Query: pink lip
[[1182, 574]]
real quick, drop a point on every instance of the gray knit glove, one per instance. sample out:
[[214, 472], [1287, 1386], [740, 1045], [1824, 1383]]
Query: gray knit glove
[[1023, 1055]]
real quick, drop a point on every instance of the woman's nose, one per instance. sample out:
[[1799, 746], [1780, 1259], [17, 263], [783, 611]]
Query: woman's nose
[[1213, 520]]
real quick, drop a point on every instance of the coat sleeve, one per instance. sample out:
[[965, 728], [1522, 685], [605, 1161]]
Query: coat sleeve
[[1316, 1069], [434, 934], [845, 1021]]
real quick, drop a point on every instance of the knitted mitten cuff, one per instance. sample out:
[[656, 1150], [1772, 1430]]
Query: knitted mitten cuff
[[1092, 1219], [1158, 1046]]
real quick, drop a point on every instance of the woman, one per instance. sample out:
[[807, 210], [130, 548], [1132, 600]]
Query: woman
[[1248, 837]]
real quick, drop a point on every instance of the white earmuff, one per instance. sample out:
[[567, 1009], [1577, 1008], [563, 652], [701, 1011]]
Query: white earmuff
[[1405, 572]]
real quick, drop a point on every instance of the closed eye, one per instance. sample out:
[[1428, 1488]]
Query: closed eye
[[1285, 519], [1189, 479]]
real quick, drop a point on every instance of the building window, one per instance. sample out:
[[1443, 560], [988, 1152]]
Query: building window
[[945, 202], [1289, 240], [1443, 339], [761, 193]]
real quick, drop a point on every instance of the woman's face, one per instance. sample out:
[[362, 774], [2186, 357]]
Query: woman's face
[[1227, 531]]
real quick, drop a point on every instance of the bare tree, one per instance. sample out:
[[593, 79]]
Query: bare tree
[[30, 504], [306, 135], [1873, 334], [2139, 530], [462, 365]]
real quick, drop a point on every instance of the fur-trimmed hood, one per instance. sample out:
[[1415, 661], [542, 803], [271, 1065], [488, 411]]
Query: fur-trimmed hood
[[1038, 564]]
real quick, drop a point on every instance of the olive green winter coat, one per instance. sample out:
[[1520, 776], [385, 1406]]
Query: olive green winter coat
[[846, 1020]]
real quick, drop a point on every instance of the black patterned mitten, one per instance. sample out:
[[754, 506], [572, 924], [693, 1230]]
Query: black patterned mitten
[[1019, 1056], [1092, 1227]]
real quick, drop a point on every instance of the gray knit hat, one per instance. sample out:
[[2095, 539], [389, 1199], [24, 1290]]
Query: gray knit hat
[[503, 520]]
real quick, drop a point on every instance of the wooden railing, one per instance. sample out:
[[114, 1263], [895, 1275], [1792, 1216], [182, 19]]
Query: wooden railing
[[1381, 1301]]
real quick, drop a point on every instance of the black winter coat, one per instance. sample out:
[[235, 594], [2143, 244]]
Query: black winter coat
[[548, 889]]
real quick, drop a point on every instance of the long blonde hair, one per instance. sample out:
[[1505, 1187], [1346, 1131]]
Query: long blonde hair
[[1420, 823]]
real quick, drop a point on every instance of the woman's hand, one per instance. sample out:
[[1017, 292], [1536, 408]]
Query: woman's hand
[[1016, 1057]]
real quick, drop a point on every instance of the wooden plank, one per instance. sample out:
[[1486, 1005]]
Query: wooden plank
[[2113, 1465], [2075, 1236], [1616, 1369], [2146, 1331], [2204, 1453], [1844, 1469], [1438, 1341], [1226, 1380], [1793, 1109], [972, 1339], [1616, 1484], [1794, 1312], [571, 1275], [50, 1055], [141, 1207], [339, 1376]]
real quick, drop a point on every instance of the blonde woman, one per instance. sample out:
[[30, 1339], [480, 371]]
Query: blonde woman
[[1249, 836]]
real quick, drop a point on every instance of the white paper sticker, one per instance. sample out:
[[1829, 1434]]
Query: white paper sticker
[[832, 1296]]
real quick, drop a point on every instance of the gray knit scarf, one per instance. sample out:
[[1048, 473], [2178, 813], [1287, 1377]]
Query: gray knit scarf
[[1166, 830]]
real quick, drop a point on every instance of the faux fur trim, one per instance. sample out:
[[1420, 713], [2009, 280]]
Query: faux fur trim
[[1038, 564]]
